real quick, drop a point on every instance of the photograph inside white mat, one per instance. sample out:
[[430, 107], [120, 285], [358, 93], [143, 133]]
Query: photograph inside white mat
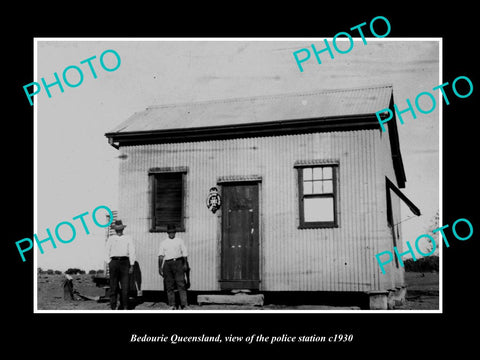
[[212, 175]]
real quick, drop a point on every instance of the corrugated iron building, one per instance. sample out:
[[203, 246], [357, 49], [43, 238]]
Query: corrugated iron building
[[305, 181]]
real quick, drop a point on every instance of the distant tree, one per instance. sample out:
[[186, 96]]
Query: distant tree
[[58, 272], [50, 272], [424, 264], [74, 271], [40, 271], [100, 272], [92, 272], [434, 224]]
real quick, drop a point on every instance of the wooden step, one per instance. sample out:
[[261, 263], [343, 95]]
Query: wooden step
[[237, 299]]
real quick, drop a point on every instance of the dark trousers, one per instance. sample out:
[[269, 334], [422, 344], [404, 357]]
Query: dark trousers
[[68, 290], [118, 275], [174, 275]]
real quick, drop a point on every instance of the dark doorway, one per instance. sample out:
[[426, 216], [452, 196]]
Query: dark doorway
[[240, 236]]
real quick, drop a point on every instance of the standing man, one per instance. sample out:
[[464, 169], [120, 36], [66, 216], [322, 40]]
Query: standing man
[[120, 256], [172, 264]]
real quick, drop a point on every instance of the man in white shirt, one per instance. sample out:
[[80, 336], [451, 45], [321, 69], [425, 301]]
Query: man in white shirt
[[172, 264], [120, 256]]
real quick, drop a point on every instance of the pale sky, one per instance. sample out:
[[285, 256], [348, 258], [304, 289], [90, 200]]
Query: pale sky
[[77, 170]]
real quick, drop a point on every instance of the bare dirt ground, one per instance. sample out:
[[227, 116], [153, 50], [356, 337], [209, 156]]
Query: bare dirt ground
[[422, 291], [422, 294]]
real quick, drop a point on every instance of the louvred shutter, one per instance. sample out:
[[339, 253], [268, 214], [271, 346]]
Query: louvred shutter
[[168, 199]]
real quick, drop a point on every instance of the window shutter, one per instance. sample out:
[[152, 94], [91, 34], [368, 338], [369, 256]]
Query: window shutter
[[168, 200]]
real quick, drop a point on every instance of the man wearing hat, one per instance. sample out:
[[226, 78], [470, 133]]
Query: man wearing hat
[[172, 264], [120, 256]]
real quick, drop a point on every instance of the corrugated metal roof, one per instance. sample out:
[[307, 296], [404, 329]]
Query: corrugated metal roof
[[237, 111]]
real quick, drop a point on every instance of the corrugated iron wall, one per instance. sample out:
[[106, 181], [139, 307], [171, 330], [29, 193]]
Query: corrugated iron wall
[[332, 259]]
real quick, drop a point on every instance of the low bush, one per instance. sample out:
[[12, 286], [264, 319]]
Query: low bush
[[424, 264]]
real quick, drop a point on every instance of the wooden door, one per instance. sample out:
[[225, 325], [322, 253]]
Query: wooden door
[[240, 237]]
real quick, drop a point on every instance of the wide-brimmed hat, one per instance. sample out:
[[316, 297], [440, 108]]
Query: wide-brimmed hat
[[118, 225], [171, 228]]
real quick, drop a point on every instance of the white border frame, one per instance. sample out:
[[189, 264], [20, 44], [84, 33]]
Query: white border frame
[[291, 311]]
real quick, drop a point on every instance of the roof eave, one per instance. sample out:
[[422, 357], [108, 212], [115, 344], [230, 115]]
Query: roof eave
[[273, 128]]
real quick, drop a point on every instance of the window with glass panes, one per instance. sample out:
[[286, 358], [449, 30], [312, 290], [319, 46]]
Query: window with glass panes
[[317, 190]]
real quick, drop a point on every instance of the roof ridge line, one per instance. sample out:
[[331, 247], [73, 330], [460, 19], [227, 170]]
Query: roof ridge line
[[269, 96]]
